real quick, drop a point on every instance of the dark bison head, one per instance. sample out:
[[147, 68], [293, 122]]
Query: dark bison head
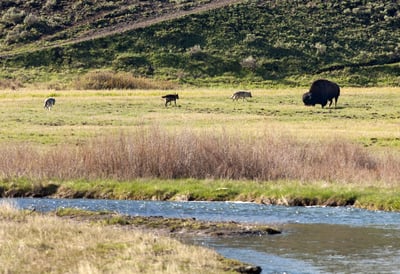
[[308, 99]]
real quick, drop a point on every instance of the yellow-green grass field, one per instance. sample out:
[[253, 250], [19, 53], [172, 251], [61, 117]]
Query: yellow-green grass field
[[370, 116], [359, 141]]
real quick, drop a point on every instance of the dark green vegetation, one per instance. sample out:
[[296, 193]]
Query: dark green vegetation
[[253, 42]]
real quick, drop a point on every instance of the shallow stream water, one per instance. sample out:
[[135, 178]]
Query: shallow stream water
[[313, 239]]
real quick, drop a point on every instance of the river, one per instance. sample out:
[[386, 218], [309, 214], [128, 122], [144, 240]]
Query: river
[[313, 239]]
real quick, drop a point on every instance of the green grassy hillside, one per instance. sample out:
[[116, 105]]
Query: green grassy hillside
[[206, 42]]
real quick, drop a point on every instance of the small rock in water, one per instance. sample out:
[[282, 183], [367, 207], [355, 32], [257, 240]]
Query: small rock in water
[[250, 269]]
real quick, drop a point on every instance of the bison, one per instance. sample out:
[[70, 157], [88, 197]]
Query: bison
[[322, 91]]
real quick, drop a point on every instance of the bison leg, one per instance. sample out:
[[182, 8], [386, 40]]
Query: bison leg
[[336, 98]]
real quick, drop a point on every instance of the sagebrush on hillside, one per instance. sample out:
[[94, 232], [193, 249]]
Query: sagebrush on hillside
[[280, 42], [159, 154]]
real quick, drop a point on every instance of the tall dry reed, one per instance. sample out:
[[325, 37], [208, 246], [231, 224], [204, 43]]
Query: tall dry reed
[[159, 154]]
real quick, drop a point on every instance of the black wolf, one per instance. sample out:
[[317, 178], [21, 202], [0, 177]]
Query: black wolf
[[49, 103], [241, 94], [322, 91], [169, 98]]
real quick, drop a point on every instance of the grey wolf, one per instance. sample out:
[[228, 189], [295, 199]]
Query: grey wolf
[[322, 91], [169, 98], [49, 103], [241, 94]]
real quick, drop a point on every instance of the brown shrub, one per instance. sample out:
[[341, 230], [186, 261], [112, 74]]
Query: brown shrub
[[158, 154], [10, 84], [121, 80]]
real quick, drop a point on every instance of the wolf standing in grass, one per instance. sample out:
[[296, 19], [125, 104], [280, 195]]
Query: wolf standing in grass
[[49, 103], [241, 94], [169, 98]]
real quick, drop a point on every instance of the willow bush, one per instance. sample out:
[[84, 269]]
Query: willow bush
[[154, 153]]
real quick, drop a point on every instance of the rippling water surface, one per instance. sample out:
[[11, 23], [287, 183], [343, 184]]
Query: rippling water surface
[[314, 239]]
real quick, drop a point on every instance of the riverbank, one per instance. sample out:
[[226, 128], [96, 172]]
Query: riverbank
[[175, 227], [97, 242], [289, 193]]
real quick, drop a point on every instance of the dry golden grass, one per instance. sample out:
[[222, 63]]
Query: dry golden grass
[[156, 153], [32, 243]]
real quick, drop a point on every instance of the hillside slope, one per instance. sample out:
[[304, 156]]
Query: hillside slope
[[288, 42], [37, 25]]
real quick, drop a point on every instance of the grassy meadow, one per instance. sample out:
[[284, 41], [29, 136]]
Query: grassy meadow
[[369, 116], [272, 141]]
